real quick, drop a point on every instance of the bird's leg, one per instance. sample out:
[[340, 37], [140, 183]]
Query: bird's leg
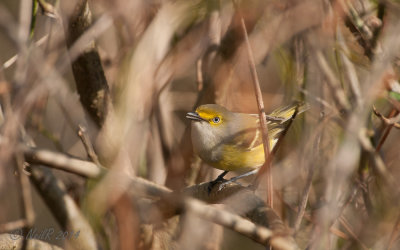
[[219, 179], [234, 179], [221, 176]]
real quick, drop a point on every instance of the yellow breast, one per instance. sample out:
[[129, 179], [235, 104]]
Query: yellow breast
[[240, 161]]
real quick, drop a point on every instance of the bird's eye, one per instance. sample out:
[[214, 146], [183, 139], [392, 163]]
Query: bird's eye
[[216, 119]]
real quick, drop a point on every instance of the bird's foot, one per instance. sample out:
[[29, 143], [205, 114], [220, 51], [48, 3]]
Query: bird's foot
[[220, 181]]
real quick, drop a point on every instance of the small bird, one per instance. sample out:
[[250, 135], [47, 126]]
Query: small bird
[[233, 141]]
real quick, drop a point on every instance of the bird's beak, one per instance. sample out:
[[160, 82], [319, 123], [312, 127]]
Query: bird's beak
[[194, 116]]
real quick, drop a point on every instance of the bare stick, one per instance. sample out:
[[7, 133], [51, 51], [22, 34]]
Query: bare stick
[[11, 226], [26, 191], [388, 121], [376, 159], [334, 84], [317, 99], [395, 231], [199, 74], [63, 207], [393, 113], [350, 70], [63, 162], [307, 188], [235, 222], [90, 79], [82, 132], [347, 226], [14, 58], [238, 224], [266, 168]]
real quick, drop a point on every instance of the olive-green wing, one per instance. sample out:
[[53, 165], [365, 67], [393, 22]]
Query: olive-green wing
[[284, 114], [251, 138], [247, 139], [277, 122]]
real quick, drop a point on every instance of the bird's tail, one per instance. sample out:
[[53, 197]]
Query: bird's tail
[[279, 120], [284, 114]]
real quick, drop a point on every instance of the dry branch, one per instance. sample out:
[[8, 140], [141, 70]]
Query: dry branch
[[338, 93], [393, 122], [63, 162], [63, 207], [16, 241], [259, 234], [88, 72], [254, 206], [266, 168]]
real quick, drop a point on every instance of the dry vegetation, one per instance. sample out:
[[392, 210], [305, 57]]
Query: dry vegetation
[[94, 146]]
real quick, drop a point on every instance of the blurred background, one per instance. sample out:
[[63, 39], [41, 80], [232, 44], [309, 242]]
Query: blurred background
[[110, 82]]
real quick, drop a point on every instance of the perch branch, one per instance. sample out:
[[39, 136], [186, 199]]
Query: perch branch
[[147, 188]]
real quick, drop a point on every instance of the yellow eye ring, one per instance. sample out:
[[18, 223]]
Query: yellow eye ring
[[216, 120]]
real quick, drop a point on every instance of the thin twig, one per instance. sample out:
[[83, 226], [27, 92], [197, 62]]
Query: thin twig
[[363, 184], [11, 226], [392, 113], [304, 200], [307, 188], [14, 58], [199, 74], [395, 231], [332, 229], [350, 70], [318, 99], [388, 121], [347, 226], [346, 202], [377, 159], [82, 132], [25, 190], [367, 36], [365, 31], [338, 93], [266, 168], [63, 162]]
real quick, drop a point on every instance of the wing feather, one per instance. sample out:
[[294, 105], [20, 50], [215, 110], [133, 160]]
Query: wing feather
[[277, 122]]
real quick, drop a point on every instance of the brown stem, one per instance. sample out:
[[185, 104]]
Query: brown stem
[[389, 127], [89, 76], [266, 168]]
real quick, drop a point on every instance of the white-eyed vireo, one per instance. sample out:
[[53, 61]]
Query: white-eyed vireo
[[233, 141]]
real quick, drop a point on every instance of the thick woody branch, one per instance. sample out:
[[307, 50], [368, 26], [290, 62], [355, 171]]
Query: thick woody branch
[[89, 76], [174, 203], [63, 207], [259, 234], [245, 202]]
